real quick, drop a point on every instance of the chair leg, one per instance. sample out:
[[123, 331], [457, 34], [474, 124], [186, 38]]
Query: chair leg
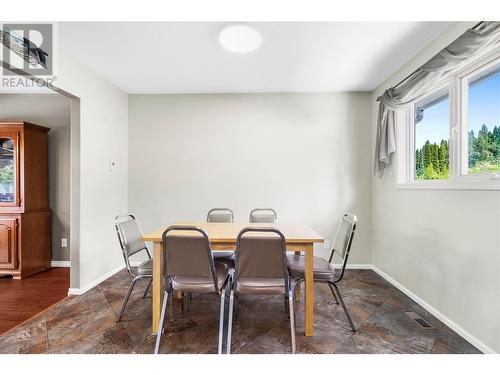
[[344, 307], [162, 320], [147, 288], [127, 297], [287, 306], [230, 323], [183, 303], [292, 322], [221, 319], [334, 295]]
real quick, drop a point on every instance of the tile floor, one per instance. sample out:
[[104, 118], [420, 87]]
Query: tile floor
[[86, 324]]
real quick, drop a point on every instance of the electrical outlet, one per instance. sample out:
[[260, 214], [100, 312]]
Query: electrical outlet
[[64, 242]]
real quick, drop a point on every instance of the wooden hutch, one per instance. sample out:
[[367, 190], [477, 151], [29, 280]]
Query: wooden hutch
[[25, 229]]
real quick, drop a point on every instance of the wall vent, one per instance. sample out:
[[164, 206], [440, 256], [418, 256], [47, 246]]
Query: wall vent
[[418, 320]]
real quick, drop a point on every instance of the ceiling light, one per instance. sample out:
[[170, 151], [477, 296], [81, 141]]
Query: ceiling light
[[240, 38]]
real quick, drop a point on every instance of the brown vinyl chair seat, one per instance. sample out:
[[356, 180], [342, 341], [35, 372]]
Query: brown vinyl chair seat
[[196, 284], [323, 271], [261, 286], [145, 268]]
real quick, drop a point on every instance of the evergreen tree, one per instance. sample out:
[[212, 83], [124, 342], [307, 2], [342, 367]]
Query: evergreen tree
[[432, 160], [419, 164], [443, 159]]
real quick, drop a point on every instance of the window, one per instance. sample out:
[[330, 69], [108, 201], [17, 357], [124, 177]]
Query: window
[[483, 122], [6, 170], [431, 128], [451, 137]]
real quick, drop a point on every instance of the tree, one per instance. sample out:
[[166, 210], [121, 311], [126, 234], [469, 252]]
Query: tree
[[443, 158], [432, 160], [430, 173], [419, 164]]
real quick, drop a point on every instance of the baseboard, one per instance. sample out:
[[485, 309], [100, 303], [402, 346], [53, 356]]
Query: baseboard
[[100, 279], [355, 266], [443, 318], [60, 263]]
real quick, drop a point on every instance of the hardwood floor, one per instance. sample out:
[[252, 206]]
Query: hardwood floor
[[87, 323], [20, 300]]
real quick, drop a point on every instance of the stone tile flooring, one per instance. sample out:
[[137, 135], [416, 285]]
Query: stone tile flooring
[[86, 324]]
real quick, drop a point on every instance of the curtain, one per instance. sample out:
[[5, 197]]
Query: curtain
[[421, 81]]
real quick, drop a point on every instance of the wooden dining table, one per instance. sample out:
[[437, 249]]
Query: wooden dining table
[[222, 236]]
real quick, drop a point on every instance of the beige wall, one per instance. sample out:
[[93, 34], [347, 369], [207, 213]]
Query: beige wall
[[100, 115], [303, 154], [52, 111], [442, 245]]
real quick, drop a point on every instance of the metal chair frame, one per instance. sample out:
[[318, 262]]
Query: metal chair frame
[[271, 210], [120, 219], [226, 210], [169, 290], [346, 250], [234, 280]]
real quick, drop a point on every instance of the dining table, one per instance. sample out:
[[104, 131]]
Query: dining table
[[222, 236]]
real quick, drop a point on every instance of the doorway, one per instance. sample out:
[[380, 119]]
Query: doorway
[[53, 111]]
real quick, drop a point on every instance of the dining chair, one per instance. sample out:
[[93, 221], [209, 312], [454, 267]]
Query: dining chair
[[324, 271], [130, 238], [222, 215], [260, 269], [263, 215], [190, 268]]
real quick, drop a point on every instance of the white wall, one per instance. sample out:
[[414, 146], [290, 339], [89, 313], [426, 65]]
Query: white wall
[[444, 246], [52, 111], [303, 154], [103, 135]]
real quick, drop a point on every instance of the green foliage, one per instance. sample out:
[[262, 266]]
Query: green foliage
[[6, 174], [432, 160], [484, 150]]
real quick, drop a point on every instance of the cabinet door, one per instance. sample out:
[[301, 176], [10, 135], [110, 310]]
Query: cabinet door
[[8, 243], [9, 168]]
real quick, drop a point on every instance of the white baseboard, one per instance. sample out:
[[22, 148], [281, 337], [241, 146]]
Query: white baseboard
[[443, 318], [100, 279], [60, 263], [355, 266]]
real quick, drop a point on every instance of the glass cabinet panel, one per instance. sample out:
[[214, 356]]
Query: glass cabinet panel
[[7, 170]]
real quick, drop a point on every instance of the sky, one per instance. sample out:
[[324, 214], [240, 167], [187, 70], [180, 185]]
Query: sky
[[484, 108]]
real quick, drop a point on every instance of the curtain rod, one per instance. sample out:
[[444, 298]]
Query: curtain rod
[[409, 75]]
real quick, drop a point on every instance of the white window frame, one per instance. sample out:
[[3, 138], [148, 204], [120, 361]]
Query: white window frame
[[459, 179]]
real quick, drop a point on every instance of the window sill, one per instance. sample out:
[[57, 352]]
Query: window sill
[[467, 184]]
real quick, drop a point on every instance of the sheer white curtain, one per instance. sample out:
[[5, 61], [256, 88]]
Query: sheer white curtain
[[419, 83]]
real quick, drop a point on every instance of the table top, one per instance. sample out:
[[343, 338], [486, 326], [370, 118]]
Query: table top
[[228, 232]]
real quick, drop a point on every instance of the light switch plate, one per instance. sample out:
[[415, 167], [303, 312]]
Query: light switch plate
[[112, 165], [64, 242]]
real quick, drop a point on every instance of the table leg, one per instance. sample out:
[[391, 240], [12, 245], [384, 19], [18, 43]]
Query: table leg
[[309, 291], [157, 284]]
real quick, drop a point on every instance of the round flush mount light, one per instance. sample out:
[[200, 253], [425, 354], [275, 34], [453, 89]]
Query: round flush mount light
[[240, 38]]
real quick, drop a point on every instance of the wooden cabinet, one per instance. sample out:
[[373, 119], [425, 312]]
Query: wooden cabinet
[[25, 246], [8, 243]]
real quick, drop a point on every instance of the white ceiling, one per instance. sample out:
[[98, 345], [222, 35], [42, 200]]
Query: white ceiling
[[51, 110], [185, 57]]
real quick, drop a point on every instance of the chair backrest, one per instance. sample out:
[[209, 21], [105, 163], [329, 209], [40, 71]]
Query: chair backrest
[[261, 256], [343, 240], [187, 252], [130, 237], [263, 215], [220, 215]]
